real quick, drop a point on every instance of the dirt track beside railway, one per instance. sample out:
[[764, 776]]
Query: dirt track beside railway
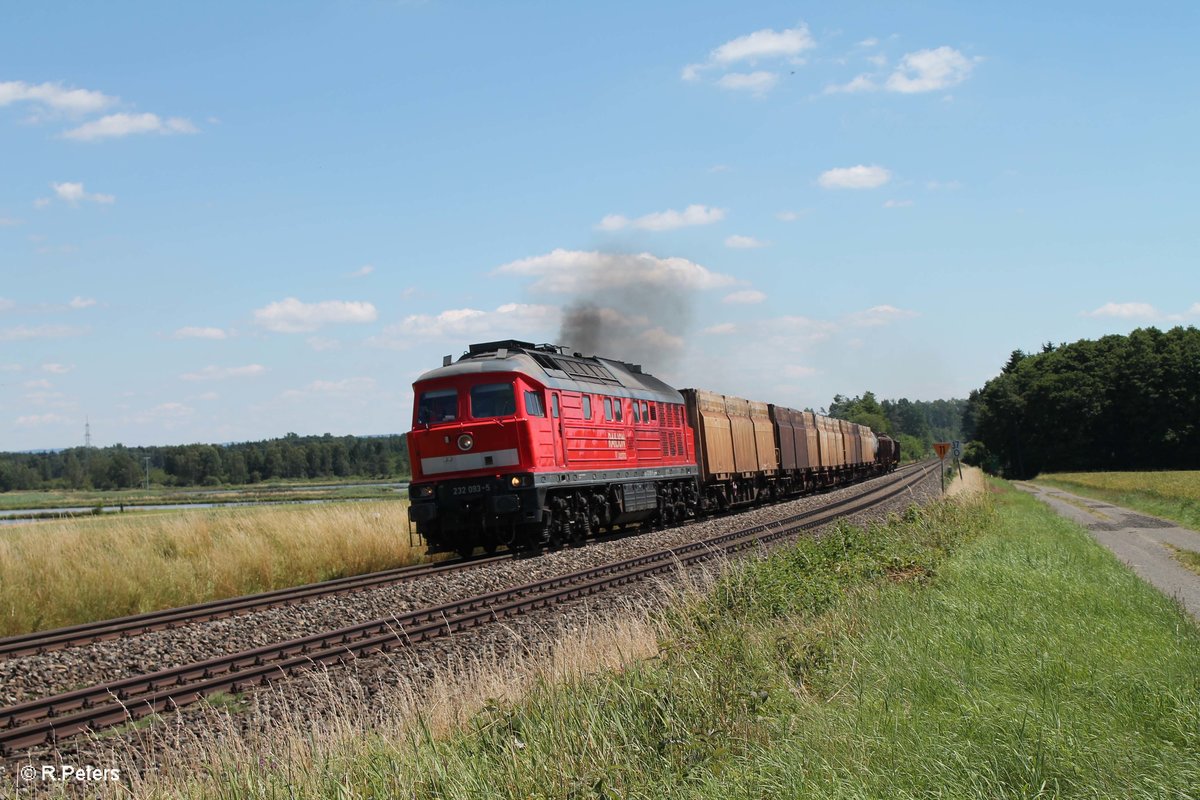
[[1140, 541]]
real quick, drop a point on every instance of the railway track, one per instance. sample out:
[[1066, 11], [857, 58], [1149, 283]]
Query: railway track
[[136, 625], [49, 720]]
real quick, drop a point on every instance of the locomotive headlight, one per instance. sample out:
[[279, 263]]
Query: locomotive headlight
[[466, 442], [516, 481], [421, 491]]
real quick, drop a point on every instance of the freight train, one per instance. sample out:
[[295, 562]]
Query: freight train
[[530, 446]]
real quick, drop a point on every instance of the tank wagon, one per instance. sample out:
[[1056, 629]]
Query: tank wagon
[[528, 445]]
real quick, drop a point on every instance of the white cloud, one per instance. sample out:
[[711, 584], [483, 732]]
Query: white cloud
[[792, 216], [24, 333], [74, 194], [897, 203], [36, 384], [947, 186], [1194, 310], [720, 168], [879, 315], [764, 44], [721, 329], [212, 373], [799, 329], [869, 42], [81, 302], [745, 297], [6, 304], [857, 177], [57, 369], [757, 83], [506, 321], [670, 219], [321, 344], [798, 371], [10, 222], [743, 242], [292, 316], [584, 272], [55, 97], [346, 386], [165, 414], [41, 202], [930, 70], [193, 332], [36, 420], [119, 125], [862, 83], [1128, 310], [362, 271]]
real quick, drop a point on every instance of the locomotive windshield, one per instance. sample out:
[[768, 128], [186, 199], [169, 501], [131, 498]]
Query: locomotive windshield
[[493, 400], [440, 405]]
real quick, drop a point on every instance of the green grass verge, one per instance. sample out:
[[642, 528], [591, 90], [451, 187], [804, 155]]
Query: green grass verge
[[1170, 495], [978, 650]]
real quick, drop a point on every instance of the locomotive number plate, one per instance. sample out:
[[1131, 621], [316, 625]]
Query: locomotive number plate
[[474, 488]]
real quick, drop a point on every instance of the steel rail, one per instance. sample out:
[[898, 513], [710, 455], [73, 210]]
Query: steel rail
[[39, 642], [169, 618], [53, 719]]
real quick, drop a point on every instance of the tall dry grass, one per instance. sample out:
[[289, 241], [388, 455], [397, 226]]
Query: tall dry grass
[[62, 573]]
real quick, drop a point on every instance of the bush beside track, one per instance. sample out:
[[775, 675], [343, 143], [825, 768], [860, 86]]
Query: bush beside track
[[979, 649]]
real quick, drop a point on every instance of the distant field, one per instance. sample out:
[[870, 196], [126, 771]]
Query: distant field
[[1173, 495], [61, 573], [313, 490]]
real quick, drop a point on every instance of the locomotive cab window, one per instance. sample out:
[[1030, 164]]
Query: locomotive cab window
[[587, 406], [439, 405], [554, 405], [493, 400], [533, 404], [618, 404], [636, 416], [608, 409]]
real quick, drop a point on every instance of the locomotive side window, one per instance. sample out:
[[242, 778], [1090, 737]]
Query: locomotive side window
[[608, 409], [618, 407], [587, 406], [533, 404], [492, 400], [637, 417], [440, 405], [645, 411], [654, 412], [554, 405]]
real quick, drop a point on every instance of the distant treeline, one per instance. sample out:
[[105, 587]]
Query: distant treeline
[[292, 457], [915, 424], [1117, 403]]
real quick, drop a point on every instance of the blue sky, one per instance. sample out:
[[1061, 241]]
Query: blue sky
[[229, 221]]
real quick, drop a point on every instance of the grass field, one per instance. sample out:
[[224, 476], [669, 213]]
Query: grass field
[[978, 649], [61, 573], [282, 491], [1171, 495]]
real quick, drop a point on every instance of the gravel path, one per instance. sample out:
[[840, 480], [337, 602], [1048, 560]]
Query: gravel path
[[321, 697], [1140, 541]]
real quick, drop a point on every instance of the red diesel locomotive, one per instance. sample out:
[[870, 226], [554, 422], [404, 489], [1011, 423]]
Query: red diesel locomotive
[[526, 445]]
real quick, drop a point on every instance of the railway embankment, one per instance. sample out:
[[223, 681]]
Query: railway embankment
[[979, 647]]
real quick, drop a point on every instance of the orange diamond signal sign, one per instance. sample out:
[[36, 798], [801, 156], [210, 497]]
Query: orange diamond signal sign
[[941, 448]]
